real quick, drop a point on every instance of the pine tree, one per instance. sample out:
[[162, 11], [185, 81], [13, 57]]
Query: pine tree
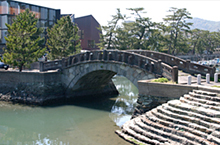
[[23, 42], [109, 32], [63, 39], [177, 30]]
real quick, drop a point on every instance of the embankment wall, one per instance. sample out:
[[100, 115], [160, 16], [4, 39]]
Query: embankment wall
[[153, 94]]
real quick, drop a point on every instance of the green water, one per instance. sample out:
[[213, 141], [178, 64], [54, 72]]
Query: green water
[[82, 123]]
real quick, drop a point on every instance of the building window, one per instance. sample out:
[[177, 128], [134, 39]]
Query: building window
[[10, 19], [22, 8], [91, 43], [14, 8], [51, 23], [3, 20], [27, 7], [52, 15], [43, 13], [35, 10], [2, 36], [4, 7], [43, 23], [81, 34]]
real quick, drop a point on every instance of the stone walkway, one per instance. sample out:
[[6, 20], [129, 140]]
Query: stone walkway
[[183, 79]]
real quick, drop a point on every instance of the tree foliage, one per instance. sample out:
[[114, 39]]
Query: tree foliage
[[173, 35], [63, 39], [24, 44], [106, 39], [140, 33], [177, 29], [142, 30]]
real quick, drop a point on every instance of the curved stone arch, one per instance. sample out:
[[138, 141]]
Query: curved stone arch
[[77, 77]]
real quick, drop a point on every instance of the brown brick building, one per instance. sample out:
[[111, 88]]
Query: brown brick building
[[89, 32]]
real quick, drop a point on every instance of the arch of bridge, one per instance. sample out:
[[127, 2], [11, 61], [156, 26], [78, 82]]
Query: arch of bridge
[[97, 74]]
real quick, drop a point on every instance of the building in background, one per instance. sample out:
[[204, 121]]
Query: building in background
[[72, 16], [89, 34], [9, 9]]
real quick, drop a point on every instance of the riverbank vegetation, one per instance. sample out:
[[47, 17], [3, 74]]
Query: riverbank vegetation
[[163, 80], [172, 36]]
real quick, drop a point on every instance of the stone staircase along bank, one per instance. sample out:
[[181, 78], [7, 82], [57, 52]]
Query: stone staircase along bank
[[194, 119]]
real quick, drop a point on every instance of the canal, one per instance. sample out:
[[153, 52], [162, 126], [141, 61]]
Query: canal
[[87, 122]]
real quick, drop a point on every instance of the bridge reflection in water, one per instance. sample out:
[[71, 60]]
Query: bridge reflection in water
[[87, 122], [126, 101]]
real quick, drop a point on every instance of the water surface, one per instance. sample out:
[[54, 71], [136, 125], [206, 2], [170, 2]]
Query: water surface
[[81, 123]]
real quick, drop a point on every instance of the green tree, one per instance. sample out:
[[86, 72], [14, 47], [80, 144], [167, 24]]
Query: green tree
[[202, 40], [213, 41], [143, 30], [177, 29], [108, 32], [23, 42], [197, 40], [63, 39], [141, 33]]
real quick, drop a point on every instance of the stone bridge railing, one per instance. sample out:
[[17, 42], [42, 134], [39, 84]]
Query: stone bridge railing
[[151, 65], [182, 64]]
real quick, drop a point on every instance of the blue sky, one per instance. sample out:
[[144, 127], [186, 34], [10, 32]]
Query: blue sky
[[103, 9]]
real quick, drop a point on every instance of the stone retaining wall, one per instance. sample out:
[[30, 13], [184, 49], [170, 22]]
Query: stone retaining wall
[[30, 87], [153, 94], [42, 88]]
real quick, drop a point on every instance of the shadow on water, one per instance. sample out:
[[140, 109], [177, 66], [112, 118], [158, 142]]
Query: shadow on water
[[120, 107], [91, 121], [124, 102]]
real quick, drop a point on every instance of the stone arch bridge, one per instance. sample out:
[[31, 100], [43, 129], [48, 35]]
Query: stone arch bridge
[[91, 72]]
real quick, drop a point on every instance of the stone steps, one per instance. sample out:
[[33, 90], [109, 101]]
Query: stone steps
[[197, 109], [208, 101], [212, 122], [129, 138], [188, 121], [192, 120], [205, 92], [203, 96], [194, 103], [176, 126], [129, 129], [167, 132]]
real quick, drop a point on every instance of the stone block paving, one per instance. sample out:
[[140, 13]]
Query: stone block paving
[[194, 119]]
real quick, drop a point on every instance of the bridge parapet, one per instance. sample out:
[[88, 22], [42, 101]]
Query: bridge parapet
[[182, 64], [144, 62]]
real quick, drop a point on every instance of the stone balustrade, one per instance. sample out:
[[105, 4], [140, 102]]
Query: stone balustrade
[[182, 64], [130, 58]]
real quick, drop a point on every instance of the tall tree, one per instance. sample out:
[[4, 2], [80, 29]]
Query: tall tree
[[24, 44], [138, 34], [109, 31], [177, 28], [143, 29], [198, 41], [63, 39]]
